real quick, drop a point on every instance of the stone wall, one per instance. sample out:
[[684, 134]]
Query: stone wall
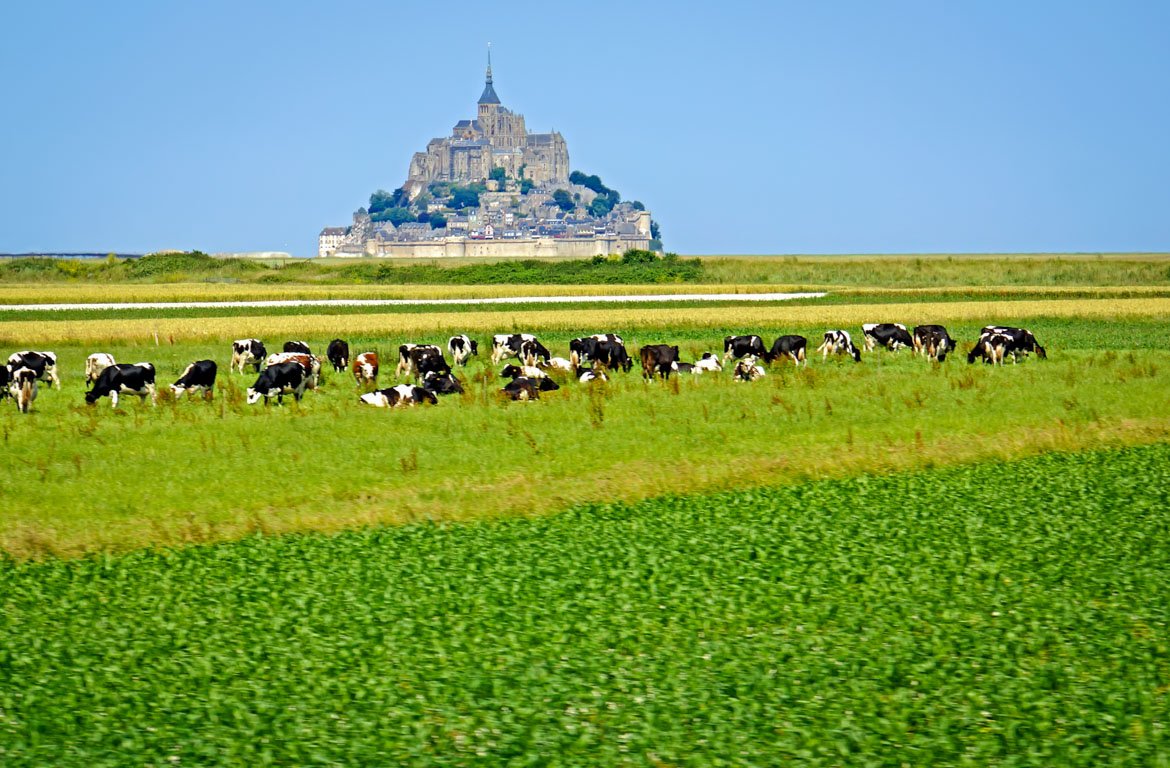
[[534, 248]]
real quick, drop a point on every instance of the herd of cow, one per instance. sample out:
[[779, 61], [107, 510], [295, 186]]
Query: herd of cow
[[296, 369]]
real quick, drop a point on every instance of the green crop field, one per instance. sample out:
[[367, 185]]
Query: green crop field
[[996, 615], [895, 562]]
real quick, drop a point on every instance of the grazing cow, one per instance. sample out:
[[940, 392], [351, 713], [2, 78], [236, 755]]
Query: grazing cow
[[279, 380], [1023, 341], [525, 388], [312, 364], [247, 352], [199, 376], [528, 371], [793, 346], [892, 336], [586, 348], [400, 396], [532, 351], [935, 345], [95, 364], [134, 379], [300, 347], [839, 342], [462, 347], [410, 354], [365, 368], [991, 347], [942, 346], [442, 383], [735, 347], [508, 345], [23, 387], [338, 355], [43, 364], [657, 359], [613, 355], [595, 374], [748, 370]]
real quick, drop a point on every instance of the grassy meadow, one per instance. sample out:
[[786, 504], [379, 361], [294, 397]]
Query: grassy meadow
[[895, 562], [990, 615]]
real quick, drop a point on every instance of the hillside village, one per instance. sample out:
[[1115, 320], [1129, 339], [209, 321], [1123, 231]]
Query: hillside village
[[491, 189]]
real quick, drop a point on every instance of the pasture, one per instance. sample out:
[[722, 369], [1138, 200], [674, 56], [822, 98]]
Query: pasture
[[885, 563], [990, 615]]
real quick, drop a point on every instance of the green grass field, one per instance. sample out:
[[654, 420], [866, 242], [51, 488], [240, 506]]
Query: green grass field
[[891, 563], [996, 615]]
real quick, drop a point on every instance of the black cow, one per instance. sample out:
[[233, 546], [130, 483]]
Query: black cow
[[892, 336], [792, 346], [5, 380], [657, 358], [135, 379], [338, 355], [299, 347], [735, 347], [442, 383], [279, 380], [933, 341], [1022, 341], [247, 352], [42, 364], [400, 396], [199, 376], [525, 388], [838, 342], [462, 347]]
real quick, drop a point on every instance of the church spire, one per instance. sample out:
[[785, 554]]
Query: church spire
[[489, 93]]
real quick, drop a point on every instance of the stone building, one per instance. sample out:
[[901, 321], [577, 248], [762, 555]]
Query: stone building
[[496, 138]]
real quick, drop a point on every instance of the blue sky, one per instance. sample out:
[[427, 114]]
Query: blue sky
[[835, 127]]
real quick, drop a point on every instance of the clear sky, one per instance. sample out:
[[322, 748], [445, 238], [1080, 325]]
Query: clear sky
[[746, 127]]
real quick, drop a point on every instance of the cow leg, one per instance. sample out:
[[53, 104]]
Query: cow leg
[[113, 398]]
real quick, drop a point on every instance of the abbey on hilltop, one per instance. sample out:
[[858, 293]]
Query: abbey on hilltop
[[493, 189]]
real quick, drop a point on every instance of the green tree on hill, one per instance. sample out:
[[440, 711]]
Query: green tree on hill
[[563, 200]]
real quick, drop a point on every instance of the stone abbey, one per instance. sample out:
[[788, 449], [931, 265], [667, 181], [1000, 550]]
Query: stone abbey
[[493, 189]]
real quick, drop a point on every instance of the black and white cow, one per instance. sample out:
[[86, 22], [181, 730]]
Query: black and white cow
[[585, 349], [683, 367], [95, 364], [5, 380], [1023, 341], [442, 383], [792, 346], [735, 347], [410, 355], [991, 348], [338, 355], [837, 343], [199, 376], [247, 352], [508, 345], [933, 341], [299, 347], [528, 371], [892, 336], [22, 386], [748, 369], [462, 347], [400, 396], [708, 363], [123, 378], [279, 380], [592, 374], [43, 364], [658, 359], [312, 364], [525, 388], [532, 352], [559, 364]]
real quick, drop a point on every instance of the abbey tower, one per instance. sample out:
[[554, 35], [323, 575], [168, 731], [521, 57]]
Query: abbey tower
[[496, 138]]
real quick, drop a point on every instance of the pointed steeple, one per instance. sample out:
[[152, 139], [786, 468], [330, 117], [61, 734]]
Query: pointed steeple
[[489, 93]]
